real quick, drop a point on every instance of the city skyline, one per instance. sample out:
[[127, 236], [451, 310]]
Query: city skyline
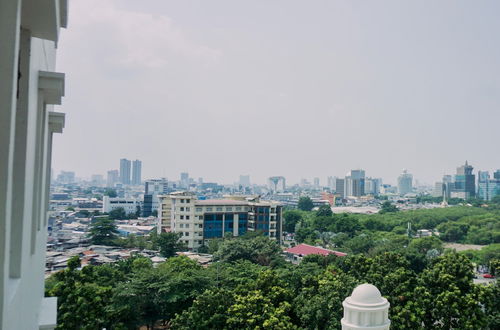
[[323, 181], [280, 90], [383, 86]]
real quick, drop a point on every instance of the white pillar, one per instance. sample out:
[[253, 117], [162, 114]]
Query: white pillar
[[366, 309], [236, 224], [10, 19]]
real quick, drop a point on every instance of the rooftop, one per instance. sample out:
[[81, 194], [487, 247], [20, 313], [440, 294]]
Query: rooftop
[[220, 202], [305, 250]]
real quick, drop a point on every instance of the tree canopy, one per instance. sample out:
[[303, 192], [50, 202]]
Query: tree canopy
[[245, 294], [103, 231], [249, 285], [305, 203], [169, 244]]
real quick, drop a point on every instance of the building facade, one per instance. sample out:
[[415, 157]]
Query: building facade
[[465, 182], [112, 178], [136, 172], [372, 186], [152, 189], [488, 187], [130, 205], [276, 184], [66, 177], [405, 183], [125, 166], [244, 181], [184, 182], [202, 220], [340, 187], [355, 183], [29, 89]]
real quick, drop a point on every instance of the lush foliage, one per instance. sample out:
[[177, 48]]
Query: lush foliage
[[292, 218], [260, 250], [305, 204], [169, 244], [110, 192], [250, 286], [103, 231], [388, 207], [461, 224], [245, 294]]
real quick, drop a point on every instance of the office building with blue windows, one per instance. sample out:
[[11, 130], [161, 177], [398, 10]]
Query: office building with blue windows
[[465, 182], [202, 220], [488, 187]]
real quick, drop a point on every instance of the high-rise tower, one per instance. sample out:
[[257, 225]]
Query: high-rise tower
[[465, 181], [136, 172], [405, 183], [125, 171]]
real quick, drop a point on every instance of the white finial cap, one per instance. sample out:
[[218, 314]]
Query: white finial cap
[[366, 309], [366, 294]]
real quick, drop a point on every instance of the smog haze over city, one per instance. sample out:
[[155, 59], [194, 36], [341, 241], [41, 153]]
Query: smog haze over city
[[292, 88]]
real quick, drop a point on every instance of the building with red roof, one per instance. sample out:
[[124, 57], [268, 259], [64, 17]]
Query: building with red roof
[[296, 253]]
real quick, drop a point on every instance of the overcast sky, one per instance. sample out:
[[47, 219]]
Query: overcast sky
[[301, 89]]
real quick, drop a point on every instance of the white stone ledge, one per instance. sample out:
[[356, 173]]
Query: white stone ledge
[[51, 84], [47, 317]]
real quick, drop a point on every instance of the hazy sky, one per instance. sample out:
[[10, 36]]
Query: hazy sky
[[293, 88]]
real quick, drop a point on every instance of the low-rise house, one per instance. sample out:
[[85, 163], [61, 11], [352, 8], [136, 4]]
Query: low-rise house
[[296, 253]]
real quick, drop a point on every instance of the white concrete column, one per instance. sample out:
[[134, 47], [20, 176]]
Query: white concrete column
[[24, 139], [56, 124], [236, 224], [10, 17], [51, 91], [223, 224], [366, 309], [37, 182]]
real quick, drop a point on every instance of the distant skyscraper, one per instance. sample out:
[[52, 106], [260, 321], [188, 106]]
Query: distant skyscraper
[[152, 189], [66, 177], [136, 172], [438, 189], [112, 178], [316, 182], [377, 183], [184, 180], [465, 182], [277, 184], [355, 183], [372, 186], [447, 186], [488, 187], [97, 179], [340, 187], [405, 183], [125, 165], [244, 181], [330, 182]]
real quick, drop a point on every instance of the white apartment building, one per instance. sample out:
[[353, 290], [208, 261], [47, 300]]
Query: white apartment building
[[128, 204], [29, 89], [202, 220]]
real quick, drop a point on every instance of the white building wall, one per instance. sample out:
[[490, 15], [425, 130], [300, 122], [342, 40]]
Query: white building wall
[[28, 89], [128, 204]]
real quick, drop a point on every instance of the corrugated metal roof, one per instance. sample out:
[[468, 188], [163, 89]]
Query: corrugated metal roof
[[305, 249]]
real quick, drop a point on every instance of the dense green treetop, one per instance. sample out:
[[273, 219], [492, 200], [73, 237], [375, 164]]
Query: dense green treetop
[[305, 203], [250, 286], [388, 207], [169, 244], [103, 231]]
